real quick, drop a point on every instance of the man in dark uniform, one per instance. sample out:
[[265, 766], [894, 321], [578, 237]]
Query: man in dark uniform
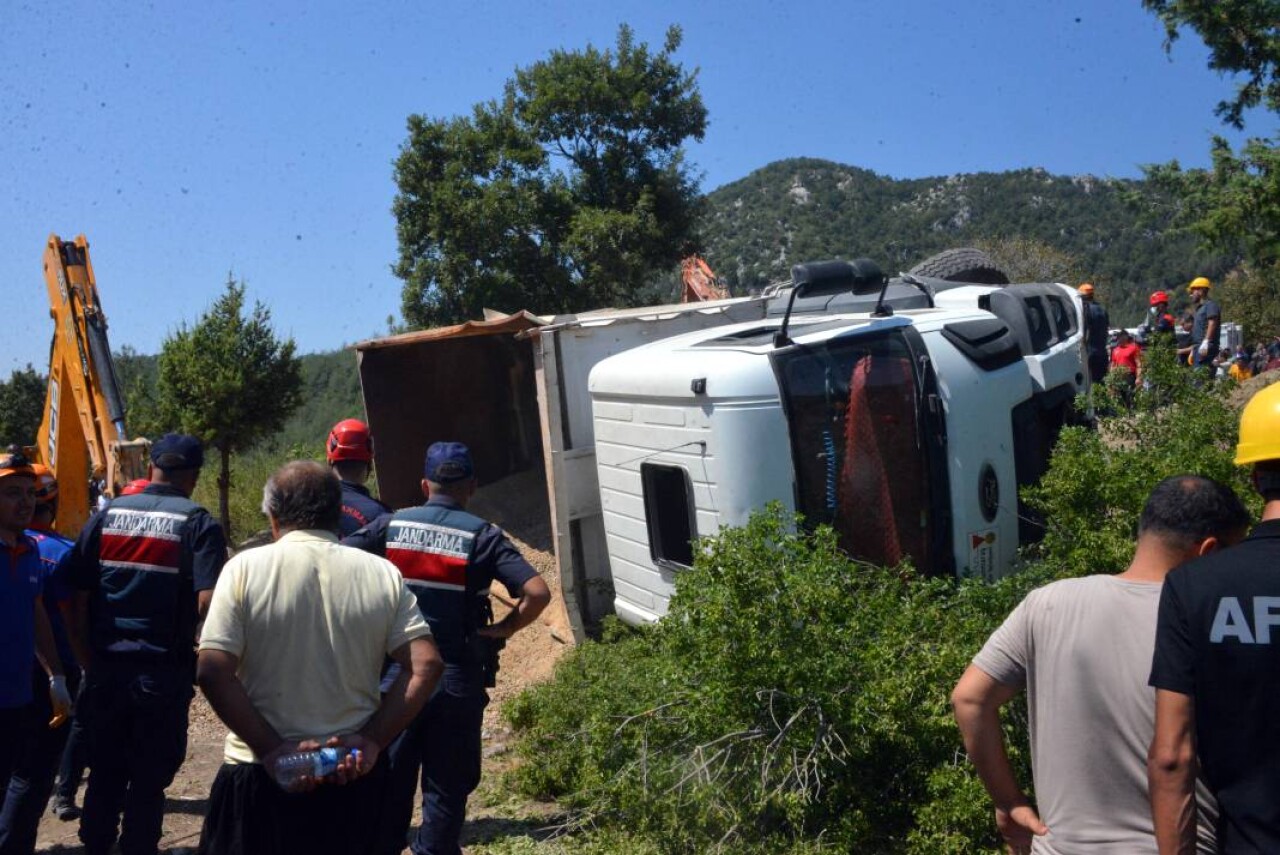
[[45, 732], [1097, 328], [349, 450], [1216, 671], [1205, 326], [144, 568], [448, 558]]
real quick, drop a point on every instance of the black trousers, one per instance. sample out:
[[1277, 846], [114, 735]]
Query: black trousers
[[250, 815], [27, 794], [442, 747], [136, 720]]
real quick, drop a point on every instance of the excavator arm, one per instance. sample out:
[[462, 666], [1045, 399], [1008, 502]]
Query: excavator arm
[[81, 436], [700, 282]]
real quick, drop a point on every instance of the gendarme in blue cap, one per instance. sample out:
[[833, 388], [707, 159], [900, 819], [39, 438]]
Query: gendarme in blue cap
[[448, 463], [177, 451]]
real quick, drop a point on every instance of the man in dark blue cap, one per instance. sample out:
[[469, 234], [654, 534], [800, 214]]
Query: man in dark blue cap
[[144, 569], [448, 558]]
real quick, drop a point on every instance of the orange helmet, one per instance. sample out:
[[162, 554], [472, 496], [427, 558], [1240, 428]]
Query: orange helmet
[[134, 487], [1085, 290], [349, 440], [14, 462], [46, 484]]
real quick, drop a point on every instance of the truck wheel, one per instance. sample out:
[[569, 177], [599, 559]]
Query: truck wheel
[[964, 264]]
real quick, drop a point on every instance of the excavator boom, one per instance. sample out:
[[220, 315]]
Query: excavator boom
[[82, 430], [700, 281]]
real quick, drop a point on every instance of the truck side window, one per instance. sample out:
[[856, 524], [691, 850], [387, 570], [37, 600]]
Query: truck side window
[[668, 512]]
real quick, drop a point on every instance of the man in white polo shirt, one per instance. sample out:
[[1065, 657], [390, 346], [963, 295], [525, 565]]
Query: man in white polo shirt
[[290, 658]]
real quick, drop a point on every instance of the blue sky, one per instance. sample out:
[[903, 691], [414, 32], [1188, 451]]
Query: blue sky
[[192, 140]]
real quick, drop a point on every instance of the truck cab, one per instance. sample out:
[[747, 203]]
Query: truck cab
[[906, 417]]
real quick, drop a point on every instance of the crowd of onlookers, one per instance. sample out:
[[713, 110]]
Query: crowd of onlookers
[[1245, 362], [350, 674]]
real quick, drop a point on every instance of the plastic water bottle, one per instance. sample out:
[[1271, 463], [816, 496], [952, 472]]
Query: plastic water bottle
[[317, 764]]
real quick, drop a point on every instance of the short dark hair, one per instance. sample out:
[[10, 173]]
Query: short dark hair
[[1185, 509], [303, 494]]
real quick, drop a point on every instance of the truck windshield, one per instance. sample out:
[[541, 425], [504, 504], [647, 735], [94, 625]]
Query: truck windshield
[[853, 409]]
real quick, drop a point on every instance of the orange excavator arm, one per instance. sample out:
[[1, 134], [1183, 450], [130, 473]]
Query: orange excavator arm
[[700, 281], [81, 436]]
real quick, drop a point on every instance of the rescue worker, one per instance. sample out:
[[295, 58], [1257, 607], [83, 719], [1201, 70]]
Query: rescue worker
[[349, 450], [1206, 323], [1158, 318], [134, 487], [1182, 339], [74, 754], [1097, 328], [25, 633], [45, 733], [1217, 657], [144, 568], [448, 558]]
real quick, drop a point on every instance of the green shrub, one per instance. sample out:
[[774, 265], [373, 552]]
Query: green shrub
[[790, 695], [1092, 495]]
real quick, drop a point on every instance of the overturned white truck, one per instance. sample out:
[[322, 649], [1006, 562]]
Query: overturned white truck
[[906, 413]]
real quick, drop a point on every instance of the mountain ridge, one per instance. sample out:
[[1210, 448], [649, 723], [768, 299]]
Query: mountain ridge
[[1120, 230]]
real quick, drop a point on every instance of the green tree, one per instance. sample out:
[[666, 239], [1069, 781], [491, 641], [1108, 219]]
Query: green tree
[[228, 380], [1243, 37], [21, 406], [1253, 293], [1026, 259], [1235, 205], [565, 194], [136, 374]]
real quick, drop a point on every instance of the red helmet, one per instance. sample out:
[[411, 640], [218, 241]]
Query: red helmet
[[137, 485], [349, 440], [1159, 297]]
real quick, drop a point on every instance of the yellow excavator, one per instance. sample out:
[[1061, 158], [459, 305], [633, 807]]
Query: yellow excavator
[[82, 432]]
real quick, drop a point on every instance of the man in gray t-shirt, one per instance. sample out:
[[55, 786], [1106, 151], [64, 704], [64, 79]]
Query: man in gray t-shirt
[[1082, 650]]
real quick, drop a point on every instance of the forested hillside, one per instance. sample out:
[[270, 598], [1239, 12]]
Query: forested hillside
[[806, 209], [330, 392]]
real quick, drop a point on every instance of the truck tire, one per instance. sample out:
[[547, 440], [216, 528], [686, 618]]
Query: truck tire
[[964, 264]]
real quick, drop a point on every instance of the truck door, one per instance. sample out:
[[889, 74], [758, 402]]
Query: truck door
[[867, 449]]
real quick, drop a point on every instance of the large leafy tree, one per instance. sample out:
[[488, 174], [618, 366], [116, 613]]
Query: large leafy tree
[[1235, 205], [566, 193], [1243, 37], [228, 380], [21, 406]]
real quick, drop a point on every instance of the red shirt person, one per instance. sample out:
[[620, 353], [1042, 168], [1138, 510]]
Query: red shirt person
[[1127, 355]]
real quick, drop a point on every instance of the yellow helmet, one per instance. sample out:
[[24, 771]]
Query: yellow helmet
[[1200, 282], [1260, 427]]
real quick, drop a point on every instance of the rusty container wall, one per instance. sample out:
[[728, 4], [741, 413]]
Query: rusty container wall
[[477, 389]]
